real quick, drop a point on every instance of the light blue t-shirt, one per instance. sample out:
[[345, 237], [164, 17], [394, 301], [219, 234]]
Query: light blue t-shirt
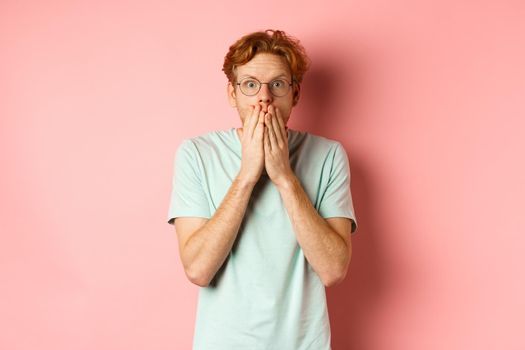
[[266, 295]]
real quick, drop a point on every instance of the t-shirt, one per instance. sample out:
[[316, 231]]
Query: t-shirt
[[266, 295]]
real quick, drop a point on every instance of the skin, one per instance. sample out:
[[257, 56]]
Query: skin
[[265, 67], [264, 107], [205, 243]]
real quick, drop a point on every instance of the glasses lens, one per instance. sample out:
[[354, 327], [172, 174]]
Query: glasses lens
[[279, 87], [250, 86]]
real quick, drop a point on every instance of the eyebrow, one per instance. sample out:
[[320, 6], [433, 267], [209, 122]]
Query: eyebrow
[[251, 76]]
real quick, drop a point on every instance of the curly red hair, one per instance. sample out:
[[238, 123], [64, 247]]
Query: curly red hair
[[278, 43]]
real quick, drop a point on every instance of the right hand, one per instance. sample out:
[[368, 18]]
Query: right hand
[[252, 162]]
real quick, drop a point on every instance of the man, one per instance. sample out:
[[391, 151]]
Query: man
[[263, 212]]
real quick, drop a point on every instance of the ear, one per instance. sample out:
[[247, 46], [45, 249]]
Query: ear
[[296, 94], [232, 98]]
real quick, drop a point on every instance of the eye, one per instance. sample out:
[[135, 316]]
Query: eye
[[250, 84], [278, 83]]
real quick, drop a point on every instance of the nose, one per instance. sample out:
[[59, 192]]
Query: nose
[[265, 96]]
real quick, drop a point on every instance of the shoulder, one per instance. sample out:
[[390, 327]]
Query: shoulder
[[318, 144], [205, 141]]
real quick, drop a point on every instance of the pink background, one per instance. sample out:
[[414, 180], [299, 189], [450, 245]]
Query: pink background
[[426, 96]]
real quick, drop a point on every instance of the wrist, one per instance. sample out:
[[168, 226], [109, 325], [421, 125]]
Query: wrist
[[286, 182], [244, 181]]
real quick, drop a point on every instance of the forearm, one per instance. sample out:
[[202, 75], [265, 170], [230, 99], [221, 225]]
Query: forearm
[[209, 246], [325, 249]]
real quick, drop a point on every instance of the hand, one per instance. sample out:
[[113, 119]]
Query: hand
[[252, 161], [276, 153]]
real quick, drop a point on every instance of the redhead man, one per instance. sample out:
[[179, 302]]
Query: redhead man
[[263, 213]]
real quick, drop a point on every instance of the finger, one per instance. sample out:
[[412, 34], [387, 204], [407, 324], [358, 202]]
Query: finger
[[254, 119], [259, 129], [261, 118], [271, 135], [276, 129], [280, 120], [267, 146]]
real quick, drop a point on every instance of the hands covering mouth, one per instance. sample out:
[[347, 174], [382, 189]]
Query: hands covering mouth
[[265, 108]]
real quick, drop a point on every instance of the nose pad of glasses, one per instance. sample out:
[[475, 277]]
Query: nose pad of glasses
[[268, 90]]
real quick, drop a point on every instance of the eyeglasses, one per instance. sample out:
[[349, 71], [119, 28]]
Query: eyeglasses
[[251, 86]]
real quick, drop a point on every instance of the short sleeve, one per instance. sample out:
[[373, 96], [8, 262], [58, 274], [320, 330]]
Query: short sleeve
[[187, 192], [336, 200]]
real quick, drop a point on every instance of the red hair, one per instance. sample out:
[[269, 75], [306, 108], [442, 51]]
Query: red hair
[[277, 43]]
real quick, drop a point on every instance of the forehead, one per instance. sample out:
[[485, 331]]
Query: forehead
[[264, 65]]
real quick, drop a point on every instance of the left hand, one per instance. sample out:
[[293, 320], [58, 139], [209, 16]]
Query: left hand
[[276, 153]]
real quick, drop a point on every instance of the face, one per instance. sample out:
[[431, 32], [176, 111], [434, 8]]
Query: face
[[265, 67]]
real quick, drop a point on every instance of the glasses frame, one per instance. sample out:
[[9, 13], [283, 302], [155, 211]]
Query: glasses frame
[[261, 84]]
